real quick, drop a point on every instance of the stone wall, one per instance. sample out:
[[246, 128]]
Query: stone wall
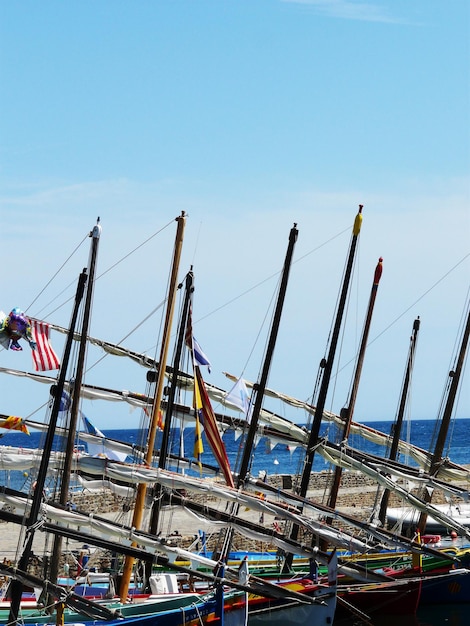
[[356, 491]]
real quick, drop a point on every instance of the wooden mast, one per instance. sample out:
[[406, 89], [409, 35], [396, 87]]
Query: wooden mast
[[327, 366], [452, 386], [142, 488], [348, 412], [163, 454], [397, 427], [17, 585], [75, 393]]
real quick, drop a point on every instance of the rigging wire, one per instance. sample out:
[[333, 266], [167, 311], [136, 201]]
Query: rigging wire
[[451, 367], [56, 274], [196, 245], [118, 262], [433, 286], [268, 278], [423, 295], [141, 245], [262, 283], [269, 308], [131, 332]]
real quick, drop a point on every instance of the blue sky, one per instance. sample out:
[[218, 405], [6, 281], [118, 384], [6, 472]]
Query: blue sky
[[249, 115]]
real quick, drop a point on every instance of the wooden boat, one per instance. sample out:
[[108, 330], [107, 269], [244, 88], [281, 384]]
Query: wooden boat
[[388, 598], [312, 598], [207, 608]]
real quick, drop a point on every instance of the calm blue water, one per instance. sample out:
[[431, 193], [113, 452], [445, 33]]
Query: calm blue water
[[277, 460]]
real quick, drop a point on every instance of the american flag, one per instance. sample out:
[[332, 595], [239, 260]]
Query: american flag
[[44, 357]]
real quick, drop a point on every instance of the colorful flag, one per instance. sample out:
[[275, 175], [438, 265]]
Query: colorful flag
[[198, 445], [199, 357], [90, 428], [14, 423], [44, 357], [65, 401], [103, 448], [209, 423], [202, 405], [197, 404], [148, 413]]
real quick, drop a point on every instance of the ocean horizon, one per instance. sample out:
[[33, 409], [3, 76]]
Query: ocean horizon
[[269, 456]]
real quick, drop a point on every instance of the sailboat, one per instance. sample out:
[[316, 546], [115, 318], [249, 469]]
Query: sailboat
[[90, 466], [308, 602], [279, 614], [211, 606], [269, 599], [457, 511], [170, 478]]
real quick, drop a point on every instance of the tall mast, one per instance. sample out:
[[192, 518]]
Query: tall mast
[[259, 390], [397, 427], [453, 384], [142, 488], [16, 585], [75, 392], [327, 366], [348, 412], [163, 454]]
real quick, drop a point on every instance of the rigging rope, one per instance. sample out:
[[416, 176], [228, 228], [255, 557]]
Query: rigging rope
[[433, 286], [98, 277], [265, 280], [58, 271]]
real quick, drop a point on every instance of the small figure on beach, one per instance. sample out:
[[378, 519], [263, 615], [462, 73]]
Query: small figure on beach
[[83, 559], [13, 327]]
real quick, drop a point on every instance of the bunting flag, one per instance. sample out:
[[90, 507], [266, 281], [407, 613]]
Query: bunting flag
[[160, 420], [44, 357], [65, 401], [203, 408], [199, 356], [198, 445], [14, 423], [209, 423]]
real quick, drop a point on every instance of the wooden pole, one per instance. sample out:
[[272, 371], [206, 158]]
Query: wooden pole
[[142, 488]]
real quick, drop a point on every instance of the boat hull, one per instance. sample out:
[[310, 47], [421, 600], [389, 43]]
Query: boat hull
[[451, 588], [293, 614], [395, 598]]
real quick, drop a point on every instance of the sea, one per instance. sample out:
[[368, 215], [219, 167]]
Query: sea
[[269, 456], [275, 458]]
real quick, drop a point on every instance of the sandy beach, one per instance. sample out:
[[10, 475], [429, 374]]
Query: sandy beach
[[12, 536], [356, 497], [174, 519]]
